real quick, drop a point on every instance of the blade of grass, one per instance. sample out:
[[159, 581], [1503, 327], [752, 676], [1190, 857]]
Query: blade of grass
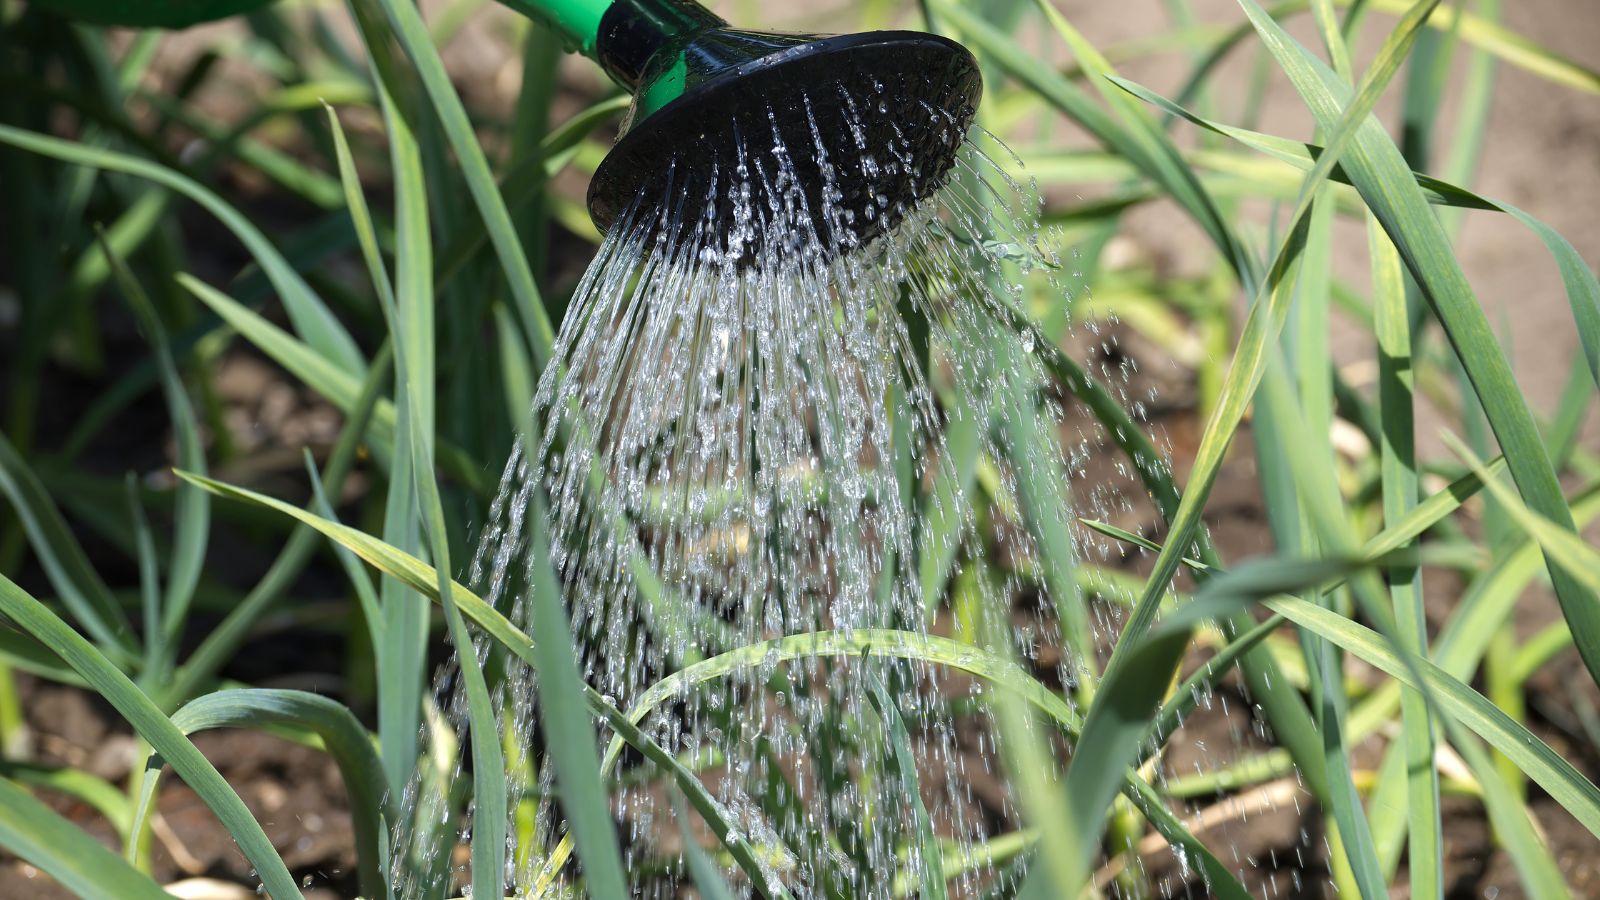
[[339, 387], [1424, 516], [1503, 43], [1472, 114], [1333, 39], [293, 176], [148, 721], [400, 629], [65, 564], [1161, 156], [1583, 290], [412, 33], [1126, 536], [1183, 699], [1282, 706], [24, 654], [525, 183], [82, 786], [1386, 183], [1396, 383], [140, 221], [1147, 148], [707, 880], [1461, 703], [944, 516], [530, 125], [192, 516], [1309, 473], [40, 836], [903, 767], [342, 737], [366, 595], [1567, 420], [149, 573], [1462, 642], [1027, 752], [312, 319], [1261, 327], [1423, 97], [411, 320], [223, 641], [1562, 544], [516, 374], [1047, 515], [1513, 820], [1117, 725], [562, 712], [1314, 510]]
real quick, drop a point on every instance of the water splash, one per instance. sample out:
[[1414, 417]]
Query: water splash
[[769, 430]]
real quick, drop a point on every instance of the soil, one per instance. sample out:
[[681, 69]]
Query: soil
[[1542, 156], [295, 792]]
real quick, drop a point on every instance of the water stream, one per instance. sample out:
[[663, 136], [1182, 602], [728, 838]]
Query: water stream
[[770, 432]]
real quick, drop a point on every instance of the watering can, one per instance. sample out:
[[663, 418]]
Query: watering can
[[709, 99]]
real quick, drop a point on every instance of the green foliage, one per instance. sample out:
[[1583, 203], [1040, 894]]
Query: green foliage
[[433, 355]]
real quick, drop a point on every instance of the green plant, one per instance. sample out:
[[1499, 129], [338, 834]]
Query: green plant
[[432, 402]]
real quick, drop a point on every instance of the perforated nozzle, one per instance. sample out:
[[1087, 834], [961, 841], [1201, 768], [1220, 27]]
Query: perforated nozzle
[[870, 124]]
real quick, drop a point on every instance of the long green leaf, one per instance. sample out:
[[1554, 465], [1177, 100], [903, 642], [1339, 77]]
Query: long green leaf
[[366, 595], [1503, 43], [1261, 327], [1583, 289], [412, 33], [904, 768], [1124, 708], [707, 880], [411, 320], [1385, 182], [148, 721], [400, 630], [561, 709], [66, 565], [1281, 705], [83, 786], [1534, 757], [1513, 821], [192, 519], [525, 183], [1398, 464], [1561, 544], [1147, 150], [339, 387], [220, 644], [1318, 524], [312, 319], [342, 737], [39, 835]]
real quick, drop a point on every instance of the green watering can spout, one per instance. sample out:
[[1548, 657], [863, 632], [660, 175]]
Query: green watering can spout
[[853, 129]]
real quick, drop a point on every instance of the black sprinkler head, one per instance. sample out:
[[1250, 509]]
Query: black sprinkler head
[[870, 124]]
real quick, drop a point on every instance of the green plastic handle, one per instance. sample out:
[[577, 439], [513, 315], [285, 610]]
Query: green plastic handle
[[578, 21]]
